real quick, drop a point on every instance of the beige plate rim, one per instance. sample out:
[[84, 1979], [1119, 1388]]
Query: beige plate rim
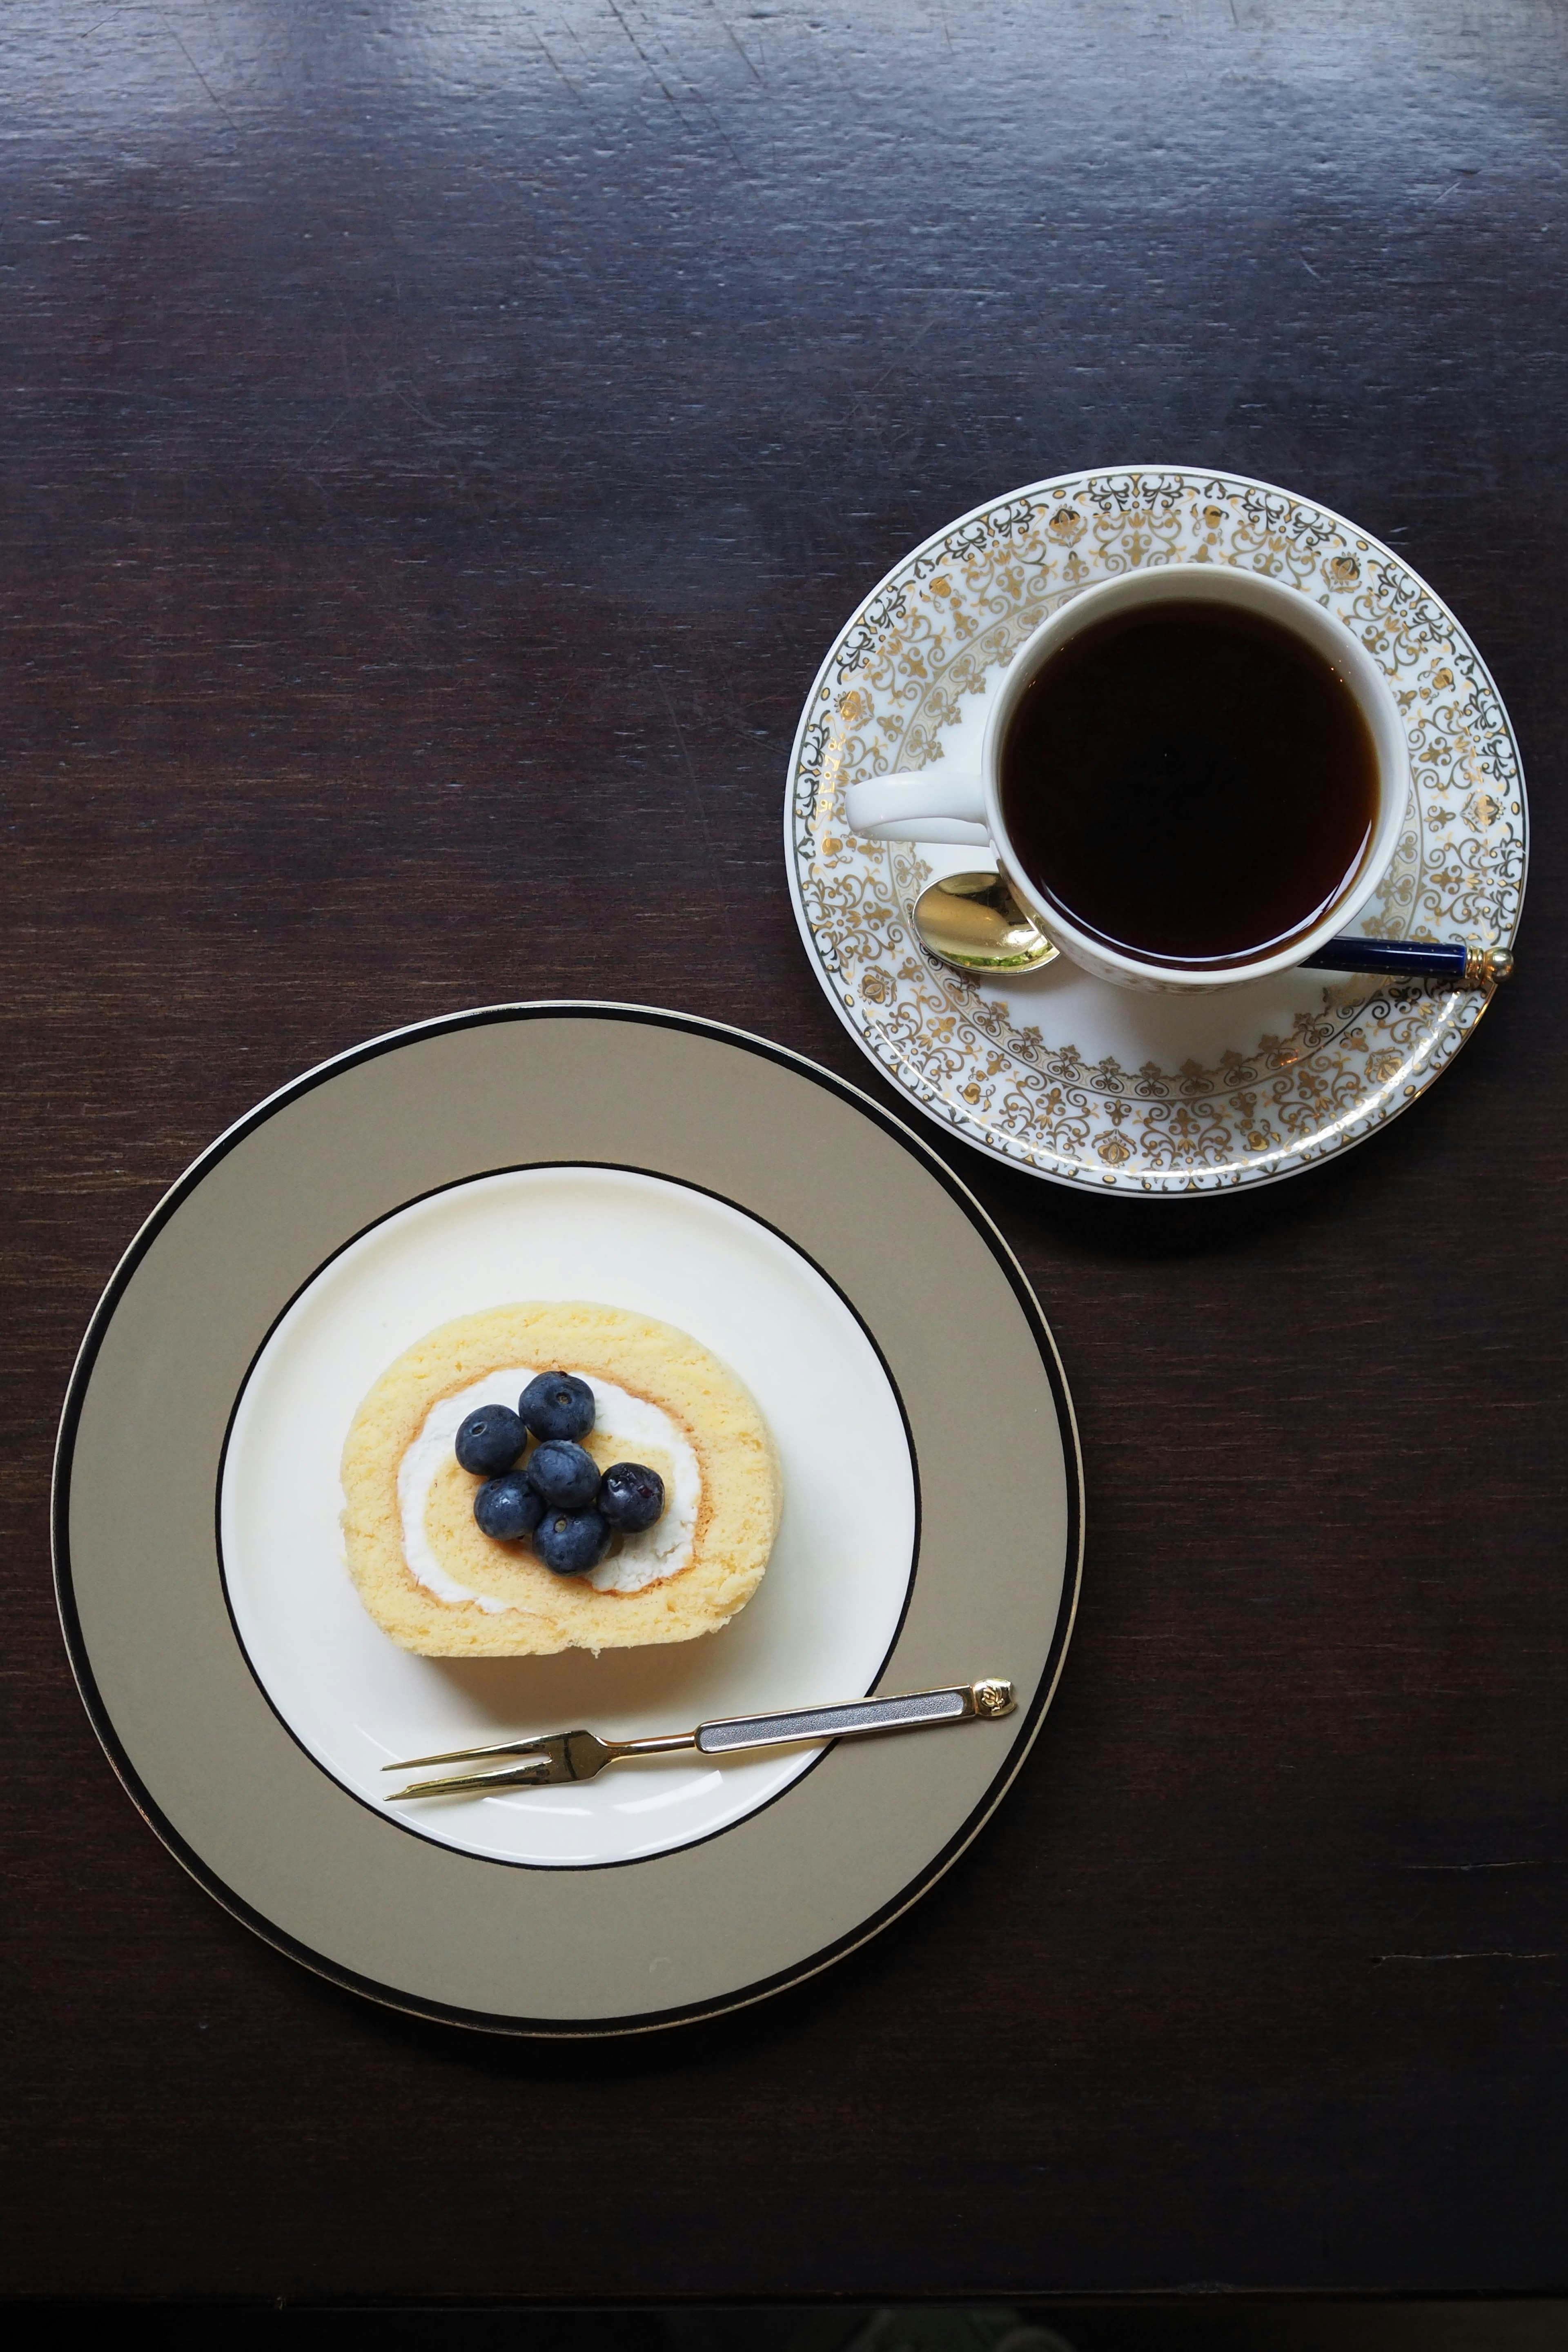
[[86, 1598]]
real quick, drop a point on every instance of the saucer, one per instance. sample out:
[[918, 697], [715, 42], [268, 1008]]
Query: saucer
[[1077, 1081]]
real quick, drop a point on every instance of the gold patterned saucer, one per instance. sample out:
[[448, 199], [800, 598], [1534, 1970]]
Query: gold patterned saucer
[[1055, 1072]]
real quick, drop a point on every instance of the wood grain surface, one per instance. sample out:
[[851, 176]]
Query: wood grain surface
[[442, 437]]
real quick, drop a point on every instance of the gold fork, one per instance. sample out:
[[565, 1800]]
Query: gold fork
[[558, 1756]]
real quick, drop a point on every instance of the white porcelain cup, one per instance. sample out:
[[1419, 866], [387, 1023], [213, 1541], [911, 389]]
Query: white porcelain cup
[[958, 803]]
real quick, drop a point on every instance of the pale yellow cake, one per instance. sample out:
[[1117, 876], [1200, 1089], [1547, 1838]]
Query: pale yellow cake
[[732, 1490]]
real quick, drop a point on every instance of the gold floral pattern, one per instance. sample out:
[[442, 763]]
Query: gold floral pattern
[[937, 630]]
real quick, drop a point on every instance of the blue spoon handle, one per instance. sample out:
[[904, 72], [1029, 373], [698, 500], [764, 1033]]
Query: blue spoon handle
[[1449, 959]]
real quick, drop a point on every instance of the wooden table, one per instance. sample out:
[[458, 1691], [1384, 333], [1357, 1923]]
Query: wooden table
[[441, 442]]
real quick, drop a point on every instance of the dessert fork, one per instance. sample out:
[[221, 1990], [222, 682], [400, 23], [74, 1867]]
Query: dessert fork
[[561, 1756]]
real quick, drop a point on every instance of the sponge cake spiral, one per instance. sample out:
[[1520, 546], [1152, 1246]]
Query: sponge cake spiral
[[509, 1605]]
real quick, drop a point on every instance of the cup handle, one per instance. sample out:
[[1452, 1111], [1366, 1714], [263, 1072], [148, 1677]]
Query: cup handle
[[929, 804]]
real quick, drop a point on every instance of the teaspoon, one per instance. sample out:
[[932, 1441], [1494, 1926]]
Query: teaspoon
[[977, 922]]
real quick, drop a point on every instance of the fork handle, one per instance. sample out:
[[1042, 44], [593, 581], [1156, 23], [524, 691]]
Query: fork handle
[[856, 1718]]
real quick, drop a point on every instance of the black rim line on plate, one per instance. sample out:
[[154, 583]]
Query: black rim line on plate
[[625, 1168], [935, 1105], [389, 1997]]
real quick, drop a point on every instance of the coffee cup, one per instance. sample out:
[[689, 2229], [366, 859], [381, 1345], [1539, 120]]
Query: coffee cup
[[1193, 776]]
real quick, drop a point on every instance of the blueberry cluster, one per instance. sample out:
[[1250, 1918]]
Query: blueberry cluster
[[556, 1494]]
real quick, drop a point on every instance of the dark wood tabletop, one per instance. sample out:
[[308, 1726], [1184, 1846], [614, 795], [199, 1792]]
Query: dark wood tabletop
[[441, 442]]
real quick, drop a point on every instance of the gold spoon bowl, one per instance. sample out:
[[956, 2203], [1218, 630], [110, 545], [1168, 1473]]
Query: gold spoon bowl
[[977, 922]]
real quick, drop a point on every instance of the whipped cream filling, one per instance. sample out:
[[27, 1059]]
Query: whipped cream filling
[[630, 1424]]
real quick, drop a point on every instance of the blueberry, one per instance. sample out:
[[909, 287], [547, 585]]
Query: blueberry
[[557, 1405], [508, 1507], [631, 1495], [572, 1542], [490, 1440], [565, 1474]]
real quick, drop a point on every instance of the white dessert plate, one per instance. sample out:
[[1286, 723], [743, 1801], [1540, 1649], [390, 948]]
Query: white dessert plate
[[657, 1163], [828, 1607], [1064, 1076]]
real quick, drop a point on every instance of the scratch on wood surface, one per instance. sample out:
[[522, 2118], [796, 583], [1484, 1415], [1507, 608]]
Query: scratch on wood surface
[[561, 73], [1444, 1869], [692, 90], [735, 43], [1378, 1958], [643, 54], [329, 428], [200, 76], [722, 895]]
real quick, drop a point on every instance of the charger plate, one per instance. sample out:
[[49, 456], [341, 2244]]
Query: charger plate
[[246, 1701], [1079, 1082]]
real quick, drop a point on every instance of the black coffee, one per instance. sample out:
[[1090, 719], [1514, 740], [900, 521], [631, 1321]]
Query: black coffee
[[1189, 783]]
